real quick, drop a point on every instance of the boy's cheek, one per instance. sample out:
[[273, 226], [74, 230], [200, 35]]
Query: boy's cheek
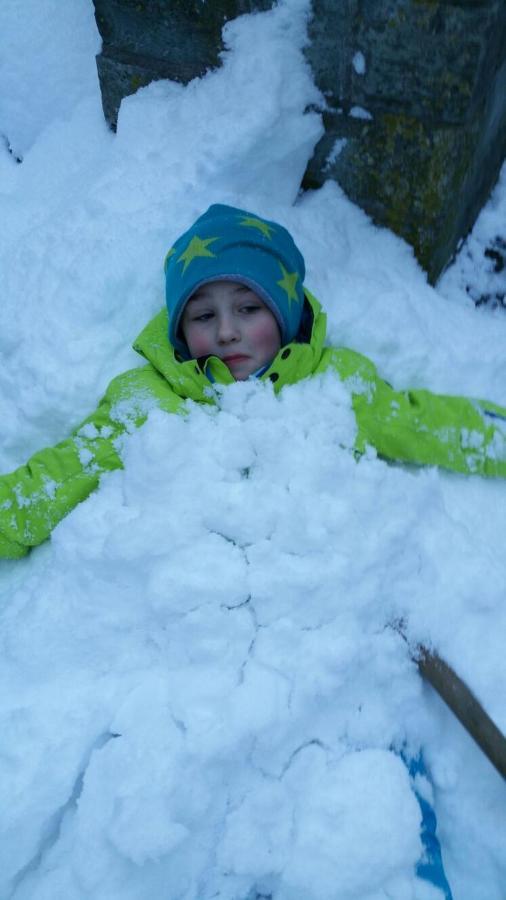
[[267, 336], [198, 344]]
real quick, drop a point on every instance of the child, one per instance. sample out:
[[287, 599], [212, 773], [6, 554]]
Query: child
[[237, 308]]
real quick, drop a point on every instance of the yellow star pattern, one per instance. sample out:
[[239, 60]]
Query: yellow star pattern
[[197, 247], [288, 283], [167, 257], [253, 222]]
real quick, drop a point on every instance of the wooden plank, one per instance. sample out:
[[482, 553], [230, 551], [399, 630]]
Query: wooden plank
[[465, 706], [462, 702]]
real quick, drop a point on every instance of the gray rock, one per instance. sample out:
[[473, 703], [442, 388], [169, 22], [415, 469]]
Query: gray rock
[[432, 80]]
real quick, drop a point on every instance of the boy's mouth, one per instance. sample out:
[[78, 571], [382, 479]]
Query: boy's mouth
[[236, 357]]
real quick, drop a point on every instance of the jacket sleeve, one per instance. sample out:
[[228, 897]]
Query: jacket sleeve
[[416, 426], [36, 496]]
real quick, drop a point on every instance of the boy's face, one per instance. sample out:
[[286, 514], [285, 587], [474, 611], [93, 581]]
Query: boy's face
[[228, 320]]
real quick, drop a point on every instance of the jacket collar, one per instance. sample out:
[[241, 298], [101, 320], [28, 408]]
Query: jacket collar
[[188, 379]]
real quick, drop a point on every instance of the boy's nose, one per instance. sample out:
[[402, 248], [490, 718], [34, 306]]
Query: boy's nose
[[227, 329]]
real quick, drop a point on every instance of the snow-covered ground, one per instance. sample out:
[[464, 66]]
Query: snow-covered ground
[[199, 684]]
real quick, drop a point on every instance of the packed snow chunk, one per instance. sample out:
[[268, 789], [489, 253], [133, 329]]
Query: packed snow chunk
[[342, 828], [133, 802], [356, 825], [259, 831], [220, 576]]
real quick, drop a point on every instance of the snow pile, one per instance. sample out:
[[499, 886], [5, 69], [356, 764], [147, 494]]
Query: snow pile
[[200, 684], [225, 665], [480, 268], [47, 66]]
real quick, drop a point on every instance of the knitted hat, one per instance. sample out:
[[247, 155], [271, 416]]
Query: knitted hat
[[234, 245]]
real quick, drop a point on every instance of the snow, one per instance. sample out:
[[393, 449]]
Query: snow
[[358, 112], [337, 148], [47, 66], [200, 685], [480, 269], [358, 63]]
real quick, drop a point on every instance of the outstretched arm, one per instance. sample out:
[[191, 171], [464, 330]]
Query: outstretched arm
[[419, 427], [36, 496]]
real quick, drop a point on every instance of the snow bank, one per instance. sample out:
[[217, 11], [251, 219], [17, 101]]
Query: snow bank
[[47, 66], [479, 271]]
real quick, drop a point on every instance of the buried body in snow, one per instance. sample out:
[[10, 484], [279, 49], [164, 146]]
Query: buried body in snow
[[246, 573]]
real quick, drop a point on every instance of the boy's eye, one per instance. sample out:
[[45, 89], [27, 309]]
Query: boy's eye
[[202, 317], [250, 307]]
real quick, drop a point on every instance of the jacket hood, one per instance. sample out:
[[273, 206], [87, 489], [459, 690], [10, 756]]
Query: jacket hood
[[188, 379]]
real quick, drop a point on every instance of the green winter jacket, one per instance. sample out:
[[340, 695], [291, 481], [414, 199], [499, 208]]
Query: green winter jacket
[[411, 426]]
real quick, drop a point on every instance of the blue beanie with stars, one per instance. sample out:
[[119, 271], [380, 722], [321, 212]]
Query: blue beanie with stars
[[234, 245]]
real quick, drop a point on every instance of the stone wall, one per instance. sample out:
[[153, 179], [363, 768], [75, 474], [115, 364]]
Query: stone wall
[[415, 129], [415, 118]]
